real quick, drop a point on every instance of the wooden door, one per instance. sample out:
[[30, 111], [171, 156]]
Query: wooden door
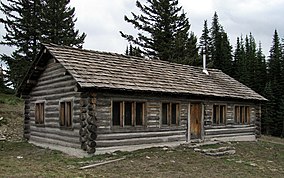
[[195, 120]]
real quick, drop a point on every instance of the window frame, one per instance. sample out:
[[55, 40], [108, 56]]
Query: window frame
[[40, 113], [169, 114], [123, 113], [67, 111], [242, 114], [220, 107]]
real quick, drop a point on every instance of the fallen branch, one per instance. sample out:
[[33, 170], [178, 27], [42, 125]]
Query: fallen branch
[[102, 163]]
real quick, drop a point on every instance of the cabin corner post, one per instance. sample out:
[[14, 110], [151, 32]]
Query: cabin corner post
[[26, 113], [88, 131], [258, 121]]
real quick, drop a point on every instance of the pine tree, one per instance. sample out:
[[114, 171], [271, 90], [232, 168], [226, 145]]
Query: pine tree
[[220, 48], [29, 22], [239, 59], [59, 22], [22, 25], [205, 44], [280, 121], [2, 84], [133, 51], [260, 72], [249, 64], [275, 77], [268, 111], [274, 66], [163, 30]]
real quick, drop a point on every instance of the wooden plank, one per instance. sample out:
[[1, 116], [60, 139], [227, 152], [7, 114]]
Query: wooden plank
[[195, 120], [102, 163]]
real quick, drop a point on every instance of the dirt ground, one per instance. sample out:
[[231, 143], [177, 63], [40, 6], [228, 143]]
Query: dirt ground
[[11, 118]]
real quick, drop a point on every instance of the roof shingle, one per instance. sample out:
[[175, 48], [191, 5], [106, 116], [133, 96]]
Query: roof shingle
[[115, 71]]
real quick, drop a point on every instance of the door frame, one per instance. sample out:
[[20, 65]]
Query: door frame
[[188, 139]]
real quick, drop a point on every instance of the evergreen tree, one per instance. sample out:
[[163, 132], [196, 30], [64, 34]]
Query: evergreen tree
[[205, 44], [59, 20], [249, 63], [274, 66], [239, 61], [268, 111], [280, 121], [220, 48], [260, 71], [133, 51], [275, 71], [2, 84], [29, 22], [163, 30]]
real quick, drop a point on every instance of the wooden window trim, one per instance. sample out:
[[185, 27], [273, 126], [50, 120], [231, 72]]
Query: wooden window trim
[[133, 114], [169, 114], [66, 114], [39, 113], [218, 109], [242, 114]]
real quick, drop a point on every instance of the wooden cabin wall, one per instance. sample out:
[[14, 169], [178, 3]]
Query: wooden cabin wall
[[53, 86], [151, 132], [230, 130]]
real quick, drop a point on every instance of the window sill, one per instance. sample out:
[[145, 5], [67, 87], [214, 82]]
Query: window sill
[[40, 125], [66, 128]]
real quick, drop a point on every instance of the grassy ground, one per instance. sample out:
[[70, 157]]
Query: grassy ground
[[264, 158], [252, 159]]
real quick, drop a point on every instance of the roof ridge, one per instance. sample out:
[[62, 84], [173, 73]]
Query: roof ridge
[[125, 56]]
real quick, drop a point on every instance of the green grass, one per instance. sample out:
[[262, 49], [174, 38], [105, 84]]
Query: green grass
[[9, 99], [252, 159]]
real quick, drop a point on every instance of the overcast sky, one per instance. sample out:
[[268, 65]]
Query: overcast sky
[[102, 20]]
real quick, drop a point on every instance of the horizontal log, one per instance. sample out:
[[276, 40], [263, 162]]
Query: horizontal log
[[229, 130], [137, 141], [41, 140], [58, 130], [74, 140], [227, 135], [120, 136], [52, 71], [55, 83], [57, 96], [52, 91], [118, 129]]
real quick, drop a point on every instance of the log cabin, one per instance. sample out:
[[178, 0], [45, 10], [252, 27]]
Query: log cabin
[[98, 102]]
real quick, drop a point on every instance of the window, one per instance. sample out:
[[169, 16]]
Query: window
[[219, 114], [170, 113], [127, 113], [242, 114], [39, 113], [65, 114]]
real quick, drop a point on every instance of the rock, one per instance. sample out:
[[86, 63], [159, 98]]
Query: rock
[[222, 153], [20, 157]]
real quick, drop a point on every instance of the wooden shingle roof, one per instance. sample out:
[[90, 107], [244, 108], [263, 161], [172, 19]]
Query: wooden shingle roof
[[115, 71]]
